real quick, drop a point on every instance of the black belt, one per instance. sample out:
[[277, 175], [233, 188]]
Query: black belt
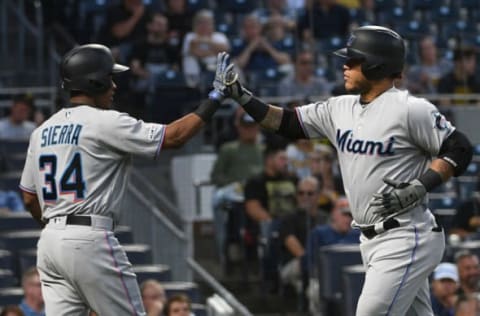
[[370, 231], [77, 220]]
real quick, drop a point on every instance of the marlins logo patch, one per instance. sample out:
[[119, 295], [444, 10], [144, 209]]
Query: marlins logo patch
[[440, 121]]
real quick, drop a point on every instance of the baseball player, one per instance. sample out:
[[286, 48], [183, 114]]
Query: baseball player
[[74, 179], [393, 149]]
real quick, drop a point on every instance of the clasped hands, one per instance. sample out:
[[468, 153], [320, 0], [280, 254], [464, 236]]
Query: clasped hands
[[226, 84]]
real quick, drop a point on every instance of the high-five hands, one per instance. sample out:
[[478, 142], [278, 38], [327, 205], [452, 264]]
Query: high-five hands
[[226, 84], [404, 197]]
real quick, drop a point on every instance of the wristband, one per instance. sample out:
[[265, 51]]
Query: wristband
[[207, 109], [430, 179], [256, 108]]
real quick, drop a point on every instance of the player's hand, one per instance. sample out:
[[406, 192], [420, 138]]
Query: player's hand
[[403, 197], [219, 82], [226, 81]]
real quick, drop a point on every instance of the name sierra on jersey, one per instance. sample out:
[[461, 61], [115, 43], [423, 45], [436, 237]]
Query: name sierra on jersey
[[346, 142], [61, 134]]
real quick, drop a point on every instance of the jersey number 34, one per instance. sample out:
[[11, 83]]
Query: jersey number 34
[[71, 180]]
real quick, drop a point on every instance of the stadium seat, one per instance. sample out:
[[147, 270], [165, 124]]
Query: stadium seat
[[159, 272], [138, 253], [397, 14], [442, 200], [15, 162], [425, 5], [473, 169], [6, 259], [353, 278], [170, 78], [411, 30], [469, 4], [195, 5], [188, 288], [17, 221], [10, 296], [7, 278], [237, 6], [458, 28], [199, 310], [19, 240], [124, 235], [443, 14], [27, 259], [13, 147], [10, 180], [331, 260], [384, 5], [476, 150], [472, 245], [467, 185]]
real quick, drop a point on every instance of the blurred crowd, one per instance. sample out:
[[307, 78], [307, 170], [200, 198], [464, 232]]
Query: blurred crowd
[[276, 201]]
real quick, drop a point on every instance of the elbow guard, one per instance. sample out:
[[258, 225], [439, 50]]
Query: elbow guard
[[457, 151], [290, 126]]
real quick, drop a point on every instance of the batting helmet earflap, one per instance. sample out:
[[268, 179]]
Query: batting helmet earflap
[[88, 68], [381, 49]]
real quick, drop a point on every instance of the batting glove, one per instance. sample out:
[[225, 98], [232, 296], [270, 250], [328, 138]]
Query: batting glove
[[403, 197], [226, 84]]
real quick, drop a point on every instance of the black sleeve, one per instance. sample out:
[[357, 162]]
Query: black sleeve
[[255, 190], [457, 151], [290, 126]]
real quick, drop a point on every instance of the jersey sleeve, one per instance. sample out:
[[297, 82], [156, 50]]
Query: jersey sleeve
[[133, 136], [316, 120], [427, 126], [27, 182]]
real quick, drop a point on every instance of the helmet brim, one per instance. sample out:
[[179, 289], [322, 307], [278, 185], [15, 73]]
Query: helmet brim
[[119, 68], [342, 52]]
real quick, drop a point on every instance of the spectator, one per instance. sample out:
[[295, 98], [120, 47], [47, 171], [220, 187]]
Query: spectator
[[254, 52], [12, 310], [16, 126], [294, 229], [297, 154], [32, 303], [468, 272], [11, 201], [424, 77], [278, 8], [337, 231], [322, 167], [125, 23], [153, 297], [463, 79], [151, 56], [443, 287], [200, 47], [178, 305], [303, 83], [466, 220], [268, 197], [237, 161], [179, 20], [323, 19], [468, 306], [154, 53]]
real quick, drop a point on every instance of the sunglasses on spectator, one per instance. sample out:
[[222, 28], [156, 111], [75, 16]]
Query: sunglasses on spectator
[[308, 193]]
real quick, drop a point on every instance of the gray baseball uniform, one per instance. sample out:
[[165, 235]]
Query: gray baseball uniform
[[395, 136], [77, 164]]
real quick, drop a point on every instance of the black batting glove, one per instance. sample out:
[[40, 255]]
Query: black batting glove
[[404, 196]]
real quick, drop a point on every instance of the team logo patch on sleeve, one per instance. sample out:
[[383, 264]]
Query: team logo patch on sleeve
[[440, 122]]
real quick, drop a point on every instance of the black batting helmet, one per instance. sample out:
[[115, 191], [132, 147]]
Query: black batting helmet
[[88, 68], [381, 49]]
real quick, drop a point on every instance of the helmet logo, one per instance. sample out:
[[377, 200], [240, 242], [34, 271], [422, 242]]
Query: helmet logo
[[351, 40]]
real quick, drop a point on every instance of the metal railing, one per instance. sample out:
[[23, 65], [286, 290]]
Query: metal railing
[[22, 38]]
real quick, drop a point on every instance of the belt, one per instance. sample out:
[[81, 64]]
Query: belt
[[373, 230], [93, 221], [79, 220]]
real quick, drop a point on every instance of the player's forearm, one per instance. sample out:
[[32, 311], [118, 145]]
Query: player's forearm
[[180, 131], [443, 168], [33, 206]]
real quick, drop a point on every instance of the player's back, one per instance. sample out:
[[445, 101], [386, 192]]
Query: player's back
[[76, 169]]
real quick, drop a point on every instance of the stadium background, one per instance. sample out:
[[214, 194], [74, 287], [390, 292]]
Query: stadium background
[[167, 220]]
